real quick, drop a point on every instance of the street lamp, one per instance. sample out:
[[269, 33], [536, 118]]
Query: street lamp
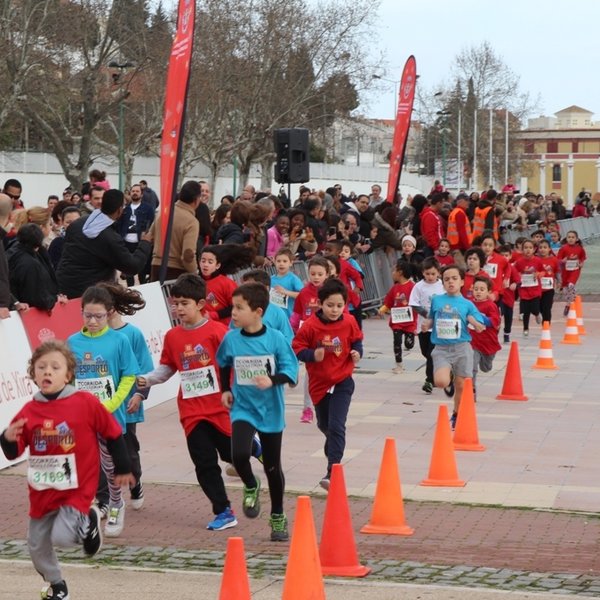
[[396, 83], [113, 64], [444, 131]]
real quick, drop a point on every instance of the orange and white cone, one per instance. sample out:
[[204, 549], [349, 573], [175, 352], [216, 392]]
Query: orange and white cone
[[545, 360], [579, 312], [572, 331]]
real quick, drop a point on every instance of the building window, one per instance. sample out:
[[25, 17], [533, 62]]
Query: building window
[[529, 147], [574, 146], [552, 147], [556, 173]]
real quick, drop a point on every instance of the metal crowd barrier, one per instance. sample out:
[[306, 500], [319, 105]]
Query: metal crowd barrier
[[587, 229]]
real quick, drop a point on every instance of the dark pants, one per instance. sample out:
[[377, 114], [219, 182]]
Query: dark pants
[[528, 308], [133, 448], [102, 495], [507, 313], [546, 302], [205, 444], [332, 412], [241, 450], [397, 334], [356, 312], [426, 348]]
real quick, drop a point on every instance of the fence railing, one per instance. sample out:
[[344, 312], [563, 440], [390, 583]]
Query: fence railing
[[587, 229]]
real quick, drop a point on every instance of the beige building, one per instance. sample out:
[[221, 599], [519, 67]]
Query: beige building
[[561, 154]]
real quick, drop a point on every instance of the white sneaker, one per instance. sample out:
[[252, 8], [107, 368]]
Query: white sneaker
[[399, 368], [115, 522], [137, 496]]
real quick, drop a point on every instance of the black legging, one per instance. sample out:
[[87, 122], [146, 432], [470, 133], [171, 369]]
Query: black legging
[[426, 349], [242, 434], [546, 303], [529, 307]]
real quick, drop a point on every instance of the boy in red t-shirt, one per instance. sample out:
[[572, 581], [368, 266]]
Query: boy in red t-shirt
[[330, 344], [403, 321]]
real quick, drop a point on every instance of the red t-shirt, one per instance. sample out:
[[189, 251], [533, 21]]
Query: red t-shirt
[[508, 295], [445, 260], [486, 341], [467, 288], [192, 352], [550, 268], [307, 301], [498, 268], [571, 259], [65, 431], [219, 291], [402, 317], [349, 274], [530, 270], [337, 339]]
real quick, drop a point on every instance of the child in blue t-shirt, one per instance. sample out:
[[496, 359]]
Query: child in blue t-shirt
[[449, 316], [285, 285], [262, 361]]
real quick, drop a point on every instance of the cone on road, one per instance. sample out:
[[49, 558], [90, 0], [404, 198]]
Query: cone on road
[[572, 331], [512, 389], [442, 468], [303, 576], [235, 584], [387, 515], [545, 360], [338, 548], [466, 436], [579, 313]]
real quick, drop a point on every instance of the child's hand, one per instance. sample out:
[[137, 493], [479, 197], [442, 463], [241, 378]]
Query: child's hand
[[21, 306], [125, 479], [280, 290], [141, 381], [15, 430], [479, 327], [62, 299], [227, 399], [134, 403], [513, 286], [355, 356], [262, 382], [319, 354], [425, 325]]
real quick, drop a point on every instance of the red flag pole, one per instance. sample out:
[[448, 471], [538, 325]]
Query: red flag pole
[[178, 79], [406, 97]]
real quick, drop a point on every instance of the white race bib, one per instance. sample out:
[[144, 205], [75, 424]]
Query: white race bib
[[199, 382], [528, 280], [249, 367], [278, 299], [572, 265], [102, 387], [401, 314], [57, 472], [448, 329], [547, 283], [491, 269]]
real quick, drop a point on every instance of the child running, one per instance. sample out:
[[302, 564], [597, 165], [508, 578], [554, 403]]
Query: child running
[[330, 343], [60, 428], [191, 349], [448, 319], [530, 269], [549, 279], [285, 285], [262, 361], [403, 321], [475, 259], [442, 254], [571, 256], [106, 367]]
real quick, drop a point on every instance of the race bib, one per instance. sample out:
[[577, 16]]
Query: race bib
[[402, 314], [528, 280], [547, 283], [57, 472], [249, 367], [491, 269], [572, 265], [448, 329], [278, 299], [102, 387], [199, 382]]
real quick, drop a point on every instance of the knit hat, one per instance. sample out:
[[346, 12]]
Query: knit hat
[[411, 239]]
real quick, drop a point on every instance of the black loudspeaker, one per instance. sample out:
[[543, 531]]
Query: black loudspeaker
[[291, 149]]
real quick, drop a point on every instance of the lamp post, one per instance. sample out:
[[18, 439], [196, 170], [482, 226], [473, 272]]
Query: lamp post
[[444, 130], [117, 77], [396, 83]]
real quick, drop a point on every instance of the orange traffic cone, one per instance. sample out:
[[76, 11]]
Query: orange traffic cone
[[512, 389], [387, 516], [338, 548], [545, 359], [579, 313], [572, 331], [466, 436], [303, 576], [235, 584], [442, 468]]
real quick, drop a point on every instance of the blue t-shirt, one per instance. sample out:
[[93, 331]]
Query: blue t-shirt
[[140, 349], [102, 361], [290, 281], [268, 353], [449, 314], [276, 318]]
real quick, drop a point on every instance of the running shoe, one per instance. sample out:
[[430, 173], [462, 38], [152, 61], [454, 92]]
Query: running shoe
[[279, 528], [251, 501], [115, 521], [223, 520]]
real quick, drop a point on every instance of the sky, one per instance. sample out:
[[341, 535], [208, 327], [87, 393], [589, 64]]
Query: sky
[[552, 47]]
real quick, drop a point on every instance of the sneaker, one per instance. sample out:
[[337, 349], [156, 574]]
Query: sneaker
[[223, 520], [507, 338], [231, 471], [449, 389], [103, 508], [279, 528], [115, 521], [398, 369], [453, 421], [525, 332], [520, 316], [325, 481], [93, 539], [538, 319], [137, 496], [251, 501], [56, 591], [566, 310], [257, 448], [427, 387], [307, 415], [409, 341]]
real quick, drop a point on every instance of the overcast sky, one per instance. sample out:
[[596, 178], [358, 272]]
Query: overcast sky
[[552, 47]]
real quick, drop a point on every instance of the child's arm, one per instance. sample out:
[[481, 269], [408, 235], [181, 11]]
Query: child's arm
[[120, 456], [125, 384], [280, 289], [357, 351], [10, 436], [161, 374]]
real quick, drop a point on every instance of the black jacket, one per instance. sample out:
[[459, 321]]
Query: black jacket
[[5, 296], [230, 234], [32, 278], [86, 261], [144, 216]]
